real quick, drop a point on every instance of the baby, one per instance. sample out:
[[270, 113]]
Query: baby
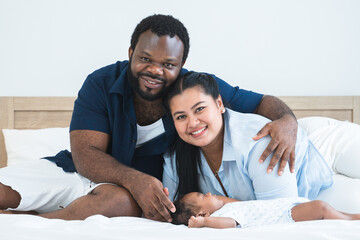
[[207, 210]]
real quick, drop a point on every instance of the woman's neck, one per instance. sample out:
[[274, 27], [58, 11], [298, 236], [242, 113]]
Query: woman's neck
[[213, 152]]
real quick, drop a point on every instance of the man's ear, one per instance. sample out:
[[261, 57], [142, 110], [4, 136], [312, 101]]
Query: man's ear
[[130, 52]]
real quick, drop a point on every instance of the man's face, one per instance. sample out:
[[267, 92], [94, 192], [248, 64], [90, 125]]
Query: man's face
[[155, 64]]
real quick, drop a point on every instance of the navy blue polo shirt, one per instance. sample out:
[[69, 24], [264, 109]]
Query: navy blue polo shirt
[[105, 104]]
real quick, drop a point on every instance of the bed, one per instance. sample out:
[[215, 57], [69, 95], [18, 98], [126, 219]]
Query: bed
[[34, 126]]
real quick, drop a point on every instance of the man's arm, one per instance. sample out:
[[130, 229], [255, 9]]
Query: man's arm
[[211, 222], [91, 160], [282, 129]]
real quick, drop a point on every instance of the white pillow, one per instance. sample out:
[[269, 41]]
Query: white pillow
[[27, 145], [337, 141], [344, 194]]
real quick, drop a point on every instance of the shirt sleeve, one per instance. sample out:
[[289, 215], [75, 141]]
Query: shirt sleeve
[[237, 99], [90, 109], [269, 186], [170, 178]]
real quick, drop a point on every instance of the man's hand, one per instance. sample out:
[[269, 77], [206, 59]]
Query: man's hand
[[92, 161], [283, 133], [196, 222], [149, 194]]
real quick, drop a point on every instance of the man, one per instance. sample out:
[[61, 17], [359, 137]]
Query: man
[[119, 132]]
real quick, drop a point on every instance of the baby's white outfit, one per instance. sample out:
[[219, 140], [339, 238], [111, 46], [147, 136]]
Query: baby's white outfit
[[260, 212]]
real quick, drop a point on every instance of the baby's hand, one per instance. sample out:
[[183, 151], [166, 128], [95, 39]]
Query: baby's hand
[[196, 222]]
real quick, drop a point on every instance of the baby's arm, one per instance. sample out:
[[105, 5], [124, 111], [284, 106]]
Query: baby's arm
[[211, 222]]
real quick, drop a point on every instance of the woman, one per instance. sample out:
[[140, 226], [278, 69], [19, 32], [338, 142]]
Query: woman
[[215, 151]]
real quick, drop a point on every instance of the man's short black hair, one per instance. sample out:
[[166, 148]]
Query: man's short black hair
[[162, 25]]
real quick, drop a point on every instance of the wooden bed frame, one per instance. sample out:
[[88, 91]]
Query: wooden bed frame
[[45, 112]]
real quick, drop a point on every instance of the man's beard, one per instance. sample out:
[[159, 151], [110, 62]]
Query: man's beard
[[135, 85]]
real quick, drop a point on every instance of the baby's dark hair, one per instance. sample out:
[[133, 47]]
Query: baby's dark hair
[[162, 25], [184, 210]]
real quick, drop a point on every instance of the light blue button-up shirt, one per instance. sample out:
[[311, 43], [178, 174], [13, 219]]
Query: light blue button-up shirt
[[241, 174]]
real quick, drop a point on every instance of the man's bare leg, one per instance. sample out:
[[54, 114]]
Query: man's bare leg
[[18, 212], [108, 200], [9, 198]]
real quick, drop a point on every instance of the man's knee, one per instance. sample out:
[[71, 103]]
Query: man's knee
[[117, 201], [9, 198]]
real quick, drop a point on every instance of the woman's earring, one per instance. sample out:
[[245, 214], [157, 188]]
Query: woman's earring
[[223, 110]]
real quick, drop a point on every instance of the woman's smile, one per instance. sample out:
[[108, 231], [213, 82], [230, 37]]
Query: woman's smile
[[200, 132], [197, 116]]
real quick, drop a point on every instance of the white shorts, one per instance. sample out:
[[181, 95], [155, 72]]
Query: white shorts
[[43, 186]]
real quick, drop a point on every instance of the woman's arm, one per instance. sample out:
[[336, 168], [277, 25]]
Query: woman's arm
[[211, 222], [269, 185]]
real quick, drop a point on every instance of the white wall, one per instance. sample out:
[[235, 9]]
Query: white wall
[[279, 47]]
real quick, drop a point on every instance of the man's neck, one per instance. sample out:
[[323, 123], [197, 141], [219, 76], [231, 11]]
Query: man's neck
[[147, 112], [143, 102]]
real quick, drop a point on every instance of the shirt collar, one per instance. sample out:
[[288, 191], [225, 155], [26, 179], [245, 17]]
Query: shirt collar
[[121, 85], [228, 150]]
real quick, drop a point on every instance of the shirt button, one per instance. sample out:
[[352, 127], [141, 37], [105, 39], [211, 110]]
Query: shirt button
[[134, 140]]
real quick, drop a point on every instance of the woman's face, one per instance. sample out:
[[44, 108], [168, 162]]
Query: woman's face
[[198, 117]]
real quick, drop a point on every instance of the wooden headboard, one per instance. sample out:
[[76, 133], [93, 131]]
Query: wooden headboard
[[33, 113], [345, 108], [45, 112]]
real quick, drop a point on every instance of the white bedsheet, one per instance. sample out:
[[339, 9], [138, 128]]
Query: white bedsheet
[[98, 227]]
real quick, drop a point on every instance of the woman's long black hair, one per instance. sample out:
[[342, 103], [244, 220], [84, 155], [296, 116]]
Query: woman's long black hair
[[188, 158]]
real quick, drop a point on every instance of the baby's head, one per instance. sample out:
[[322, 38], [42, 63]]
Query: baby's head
[[184, 210], [195, 204]]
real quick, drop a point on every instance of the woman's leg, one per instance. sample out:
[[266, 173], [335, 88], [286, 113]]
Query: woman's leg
[[317, 210]]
